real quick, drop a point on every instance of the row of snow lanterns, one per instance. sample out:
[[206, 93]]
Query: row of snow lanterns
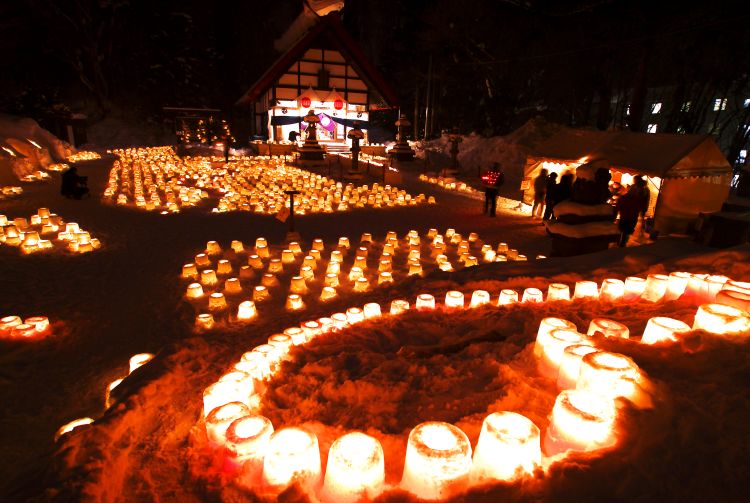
[[300, 284], [13, 327], [83, 155], [446, 183], [252, 186], [43, 231], [439, 459], [135, 362]]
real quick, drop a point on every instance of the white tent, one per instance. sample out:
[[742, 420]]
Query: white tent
[[689, 174]]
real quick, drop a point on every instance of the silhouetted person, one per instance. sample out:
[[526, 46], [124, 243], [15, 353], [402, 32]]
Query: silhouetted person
[[540, 192], [491, 191], [629, 208], [564, 189], [293, 135], [73, 185], [227, 146], [550, 196]]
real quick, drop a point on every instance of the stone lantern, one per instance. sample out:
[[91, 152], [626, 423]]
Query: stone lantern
[[402, 151], [311, 150]]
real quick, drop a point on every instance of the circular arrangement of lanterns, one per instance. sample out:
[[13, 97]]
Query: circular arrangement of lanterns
[[45, 231], [233, 283], [158, 179], [439, 461]]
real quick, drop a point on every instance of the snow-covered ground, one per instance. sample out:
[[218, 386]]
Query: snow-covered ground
[[127, 298]]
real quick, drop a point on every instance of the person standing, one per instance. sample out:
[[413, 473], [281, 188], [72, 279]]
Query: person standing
[[550, 196], [629, 208], [227, 146], [491, 193], [540, 192]]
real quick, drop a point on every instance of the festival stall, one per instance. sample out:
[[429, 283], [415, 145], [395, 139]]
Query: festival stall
[[687, 174]]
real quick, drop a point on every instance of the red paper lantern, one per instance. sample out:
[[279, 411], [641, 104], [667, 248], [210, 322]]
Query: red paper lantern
[[338, 104], [305, 102]]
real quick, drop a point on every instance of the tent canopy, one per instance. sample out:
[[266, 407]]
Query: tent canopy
[[656, 155]]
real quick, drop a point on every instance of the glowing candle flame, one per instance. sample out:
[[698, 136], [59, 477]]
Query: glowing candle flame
[[438, 461]]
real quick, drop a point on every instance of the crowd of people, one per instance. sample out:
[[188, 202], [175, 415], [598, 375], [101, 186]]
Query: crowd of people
[[630, 203]]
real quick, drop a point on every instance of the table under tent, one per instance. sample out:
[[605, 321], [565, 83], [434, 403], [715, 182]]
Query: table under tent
[[687, 174]]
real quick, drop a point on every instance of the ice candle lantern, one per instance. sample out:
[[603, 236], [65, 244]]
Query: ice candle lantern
[[292, 455], [355, 469], [438, 460], [508, 447], [581, 421]]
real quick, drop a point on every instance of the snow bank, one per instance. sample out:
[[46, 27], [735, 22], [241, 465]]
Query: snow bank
[[19, 156]]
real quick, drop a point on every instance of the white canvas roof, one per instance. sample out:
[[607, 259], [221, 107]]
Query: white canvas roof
[[662, 155]]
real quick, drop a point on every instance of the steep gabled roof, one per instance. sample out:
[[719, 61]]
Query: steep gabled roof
[[352, 52]]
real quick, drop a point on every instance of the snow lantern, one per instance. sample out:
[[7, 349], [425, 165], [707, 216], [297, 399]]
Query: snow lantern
[[189, 271], [656, 287], [40, 324], [676, 285], [586, 290], [220, 418], [292, 455], [355, 469], [361, 285], [661, 328], [720, 319], [217, 302], [581, 421], [139, 360], [438, 461], [610, 375], [23, 331], [454, 299], [553, 346], [223, 392], [297, 335], [260, 293], [608, 328], [232, 286], [247, 440], [246, 310], [509, 446], [738, 299], [479, 298], [287, 257], [570, 365], [275, 265], [67, 428], [204, 321], [634, 287], [354, 315], [372, 310], [612, 290], [298, 285], [558, 291], [425, 302], [399, 306], [507, 297], [213, 248], [194, 291], [532, 295]]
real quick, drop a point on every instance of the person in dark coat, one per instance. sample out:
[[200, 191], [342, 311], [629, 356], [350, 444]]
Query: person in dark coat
[[73, 185], [227, 146], [491, 192], [551, 196], [629, 207], [540, 193], [293, 136], [564, 189]]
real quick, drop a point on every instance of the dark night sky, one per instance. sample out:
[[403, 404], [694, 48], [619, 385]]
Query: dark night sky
[[496, 62]]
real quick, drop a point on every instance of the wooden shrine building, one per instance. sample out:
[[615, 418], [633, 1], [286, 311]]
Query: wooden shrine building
[[321, 68]]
